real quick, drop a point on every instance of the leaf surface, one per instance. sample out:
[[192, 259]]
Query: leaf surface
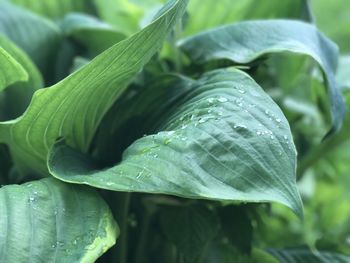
[[224, 139], [74, 107], [37, 36], [247, 41], [50, 221]]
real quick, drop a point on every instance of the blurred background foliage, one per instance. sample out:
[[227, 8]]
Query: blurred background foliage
[[323, 172]]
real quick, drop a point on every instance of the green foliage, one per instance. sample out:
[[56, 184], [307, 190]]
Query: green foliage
[[201, 133]]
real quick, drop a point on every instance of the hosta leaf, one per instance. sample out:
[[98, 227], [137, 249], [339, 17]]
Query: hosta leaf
[[225, 139], [37, 36], [11, 71], [90, 32], [74, 107], [16, 98], [238, 42], [55, 9], [206, 14], [50, 221], [305, 255]]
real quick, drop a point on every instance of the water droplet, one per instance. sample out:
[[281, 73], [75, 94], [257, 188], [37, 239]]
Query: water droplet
[[183, 126], [210, 100], [155, 155], [272, 137], [258, 133], [267, 112], [222, 99], [109, 183], [171, 133], [285, 137], [31, 199], [241, 91], [278, 120], [139, 175], [75, 242], [280, 153], [202, 120], [53, 246]]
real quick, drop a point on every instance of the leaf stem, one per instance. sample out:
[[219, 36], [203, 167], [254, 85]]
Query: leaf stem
[[320, 151], [121, 211]]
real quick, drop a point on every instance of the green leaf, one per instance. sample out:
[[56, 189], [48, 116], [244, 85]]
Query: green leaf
[[37, 36], [206, 14], [91, 32], [56, 9], [15, 99], [190, 229], [11, 71], [50, 221], [224, 139], [305, 255], [74, 107], [238, 42]]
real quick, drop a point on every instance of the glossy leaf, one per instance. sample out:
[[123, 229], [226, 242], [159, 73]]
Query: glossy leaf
[[50, 221], [224, 139], [74, 107], [238, 42]]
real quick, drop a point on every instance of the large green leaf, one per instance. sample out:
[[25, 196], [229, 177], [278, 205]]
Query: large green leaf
[[247, 41], [37, 36], [224, 139], [206, 14], [50, 221], [74, 107], [305, 255]]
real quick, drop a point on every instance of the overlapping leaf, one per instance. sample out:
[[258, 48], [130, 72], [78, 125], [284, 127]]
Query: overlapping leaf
[[238, 42], [206, 14], [90, 32], [49, 221], [74, 107], [37, 36], [223, 139], [15, 99]]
